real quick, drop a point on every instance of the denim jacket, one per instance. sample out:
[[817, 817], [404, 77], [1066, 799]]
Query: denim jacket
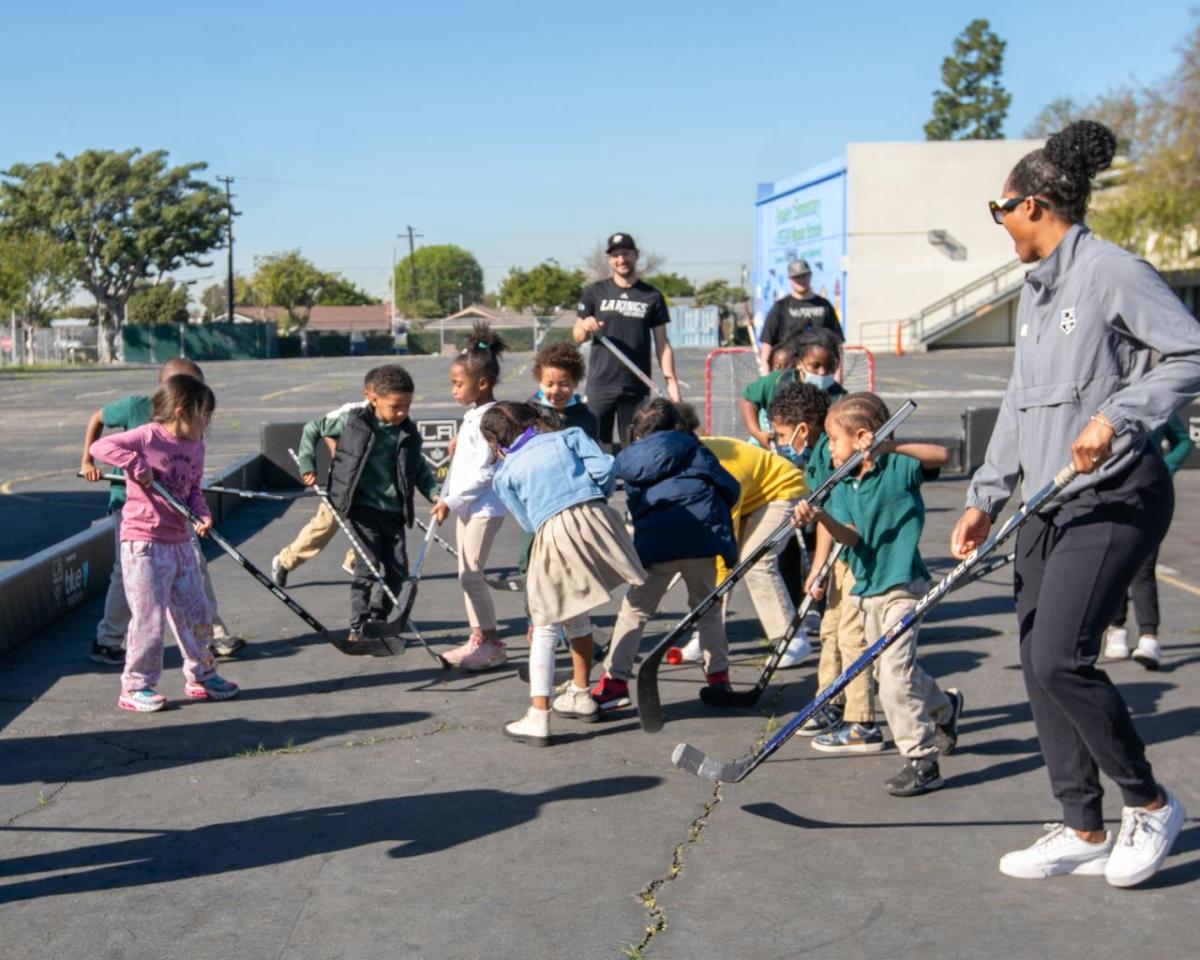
[[550, 472]]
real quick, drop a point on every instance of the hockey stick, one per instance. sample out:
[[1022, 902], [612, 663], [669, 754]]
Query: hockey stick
[[378, 633], [694, 760], [649, 705], [629, 364], [215, 488], [748, 698], [363, 647], [508, 582]]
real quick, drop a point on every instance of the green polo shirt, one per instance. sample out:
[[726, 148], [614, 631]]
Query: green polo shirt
[[124, 414], [377, 485], [819, 464], [887, 510]]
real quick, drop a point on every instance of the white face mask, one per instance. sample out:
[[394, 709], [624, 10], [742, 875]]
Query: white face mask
[[823, 381]]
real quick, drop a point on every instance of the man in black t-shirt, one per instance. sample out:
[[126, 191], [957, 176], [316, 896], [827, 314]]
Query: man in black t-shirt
[[799, 311], [630, 313]]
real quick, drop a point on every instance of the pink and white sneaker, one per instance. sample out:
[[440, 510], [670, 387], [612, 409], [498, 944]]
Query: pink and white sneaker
[[214, 688], [484, 654], [141, 701]]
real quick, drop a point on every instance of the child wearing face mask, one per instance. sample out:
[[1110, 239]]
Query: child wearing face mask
[[817, 358]]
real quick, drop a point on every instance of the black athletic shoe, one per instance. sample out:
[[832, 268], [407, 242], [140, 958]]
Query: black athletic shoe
[[916, 777], [945, 738], [109, 656], [278, 572]]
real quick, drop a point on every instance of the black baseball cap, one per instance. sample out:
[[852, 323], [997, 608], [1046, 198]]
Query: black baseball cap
[[621, 241]]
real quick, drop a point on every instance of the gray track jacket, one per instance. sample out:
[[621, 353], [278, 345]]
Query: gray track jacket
[[1089, 317]]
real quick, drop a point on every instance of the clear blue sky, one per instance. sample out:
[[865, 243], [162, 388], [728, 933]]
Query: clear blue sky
[[527, 130]]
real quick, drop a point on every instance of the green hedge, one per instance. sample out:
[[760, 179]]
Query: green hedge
[[200, 342]]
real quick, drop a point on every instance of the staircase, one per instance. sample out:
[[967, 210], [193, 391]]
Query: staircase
[[959, 308]]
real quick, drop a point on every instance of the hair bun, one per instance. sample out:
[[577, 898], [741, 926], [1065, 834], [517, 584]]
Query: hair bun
[[1085, 146]]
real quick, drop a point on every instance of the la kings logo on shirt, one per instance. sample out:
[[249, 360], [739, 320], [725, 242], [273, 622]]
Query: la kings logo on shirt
[[634, 309], [1066, 322]]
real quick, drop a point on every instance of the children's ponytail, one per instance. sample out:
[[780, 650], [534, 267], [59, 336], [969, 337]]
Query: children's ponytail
[[194, 396], [481, 357]]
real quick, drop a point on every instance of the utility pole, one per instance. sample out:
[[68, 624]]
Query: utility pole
[[412, 262], [228, 181]]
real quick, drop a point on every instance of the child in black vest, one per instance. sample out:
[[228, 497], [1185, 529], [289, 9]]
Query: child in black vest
[[376, 469]]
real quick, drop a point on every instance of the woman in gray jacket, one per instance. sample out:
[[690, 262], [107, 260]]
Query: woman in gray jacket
[[1082, 386]]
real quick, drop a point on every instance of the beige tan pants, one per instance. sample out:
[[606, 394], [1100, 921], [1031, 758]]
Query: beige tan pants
[[640, 604], [911, 699], [842, 641], [475, 538], [768, 592], [313, 537]]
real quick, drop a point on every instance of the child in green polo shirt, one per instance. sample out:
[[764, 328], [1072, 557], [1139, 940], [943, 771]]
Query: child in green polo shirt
[[811, 357], [879, 514], [126, 414]]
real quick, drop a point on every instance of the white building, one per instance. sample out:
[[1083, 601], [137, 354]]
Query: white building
[[900, 240]]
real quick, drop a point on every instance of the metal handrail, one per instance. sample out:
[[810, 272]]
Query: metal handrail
[[959, 301]]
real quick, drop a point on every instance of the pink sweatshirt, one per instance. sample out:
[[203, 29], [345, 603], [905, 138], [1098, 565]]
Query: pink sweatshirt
[[177, 464]]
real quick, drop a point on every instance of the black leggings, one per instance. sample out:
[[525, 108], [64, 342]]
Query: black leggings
[[1144, 591], [614, 405], [1072, 571]]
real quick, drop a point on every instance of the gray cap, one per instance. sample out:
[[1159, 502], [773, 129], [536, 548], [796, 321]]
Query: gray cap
[[798, 268]]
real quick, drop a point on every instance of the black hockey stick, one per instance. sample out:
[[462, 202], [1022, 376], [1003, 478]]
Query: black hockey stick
[[744, 699], [649, 705], [216, 488], [376, 648], [694, 760], [509, 582], [381, 632]]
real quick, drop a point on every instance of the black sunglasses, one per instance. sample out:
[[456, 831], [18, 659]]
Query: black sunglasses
[[999, 208]]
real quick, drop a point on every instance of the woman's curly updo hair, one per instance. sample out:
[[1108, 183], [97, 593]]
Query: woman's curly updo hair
[[1063, 169]]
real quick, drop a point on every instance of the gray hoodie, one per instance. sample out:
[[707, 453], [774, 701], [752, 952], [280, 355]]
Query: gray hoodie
[[1090, 315]]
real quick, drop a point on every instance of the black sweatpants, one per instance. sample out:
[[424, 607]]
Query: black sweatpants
[[1072, 571], [381, 532], [611, 405], [1144, 591]]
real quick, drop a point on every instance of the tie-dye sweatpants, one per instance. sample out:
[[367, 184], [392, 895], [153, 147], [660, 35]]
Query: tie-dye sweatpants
[[163, 581]]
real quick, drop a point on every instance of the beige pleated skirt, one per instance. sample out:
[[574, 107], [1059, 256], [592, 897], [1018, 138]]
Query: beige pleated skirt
[[579, 556]]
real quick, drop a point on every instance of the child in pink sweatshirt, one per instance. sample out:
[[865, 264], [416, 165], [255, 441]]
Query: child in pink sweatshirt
[[161, 575]]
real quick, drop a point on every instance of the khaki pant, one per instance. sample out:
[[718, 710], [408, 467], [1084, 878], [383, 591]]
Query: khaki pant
[[641, 602], [111, 630], [475, 538], [911, 699], [842, 641], [768, 591], [313, 537]]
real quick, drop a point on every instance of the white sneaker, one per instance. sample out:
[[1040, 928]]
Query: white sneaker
[[576, 702], [691, 650], [1116, 643], [1144, 841], [533, 728], [797, 652], [1060, 851], [1148, 653]]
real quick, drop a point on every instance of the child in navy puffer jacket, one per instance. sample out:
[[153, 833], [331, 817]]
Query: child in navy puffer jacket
[[679, 498]]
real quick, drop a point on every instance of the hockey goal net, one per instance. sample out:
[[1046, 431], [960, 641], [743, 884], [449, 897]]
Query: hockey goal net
[[727, 371]]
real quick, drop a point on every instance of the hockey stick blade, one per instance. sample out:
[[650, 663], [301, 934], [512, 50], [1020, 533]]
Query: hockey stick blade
[[371, 647], [694, 760], [737, 699]]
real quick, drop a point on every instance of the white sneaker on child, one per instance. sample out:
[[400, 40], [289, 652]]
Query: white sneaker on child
[[575, 702], [691, 651], [1148, 653], [533, 728], [1144, 841], [1060, 851], [797, 651], [1116, 643]]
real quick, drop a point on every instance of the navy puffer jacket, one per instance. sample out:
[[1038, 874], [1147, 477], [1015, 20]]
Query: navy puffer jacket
[[679, 497]]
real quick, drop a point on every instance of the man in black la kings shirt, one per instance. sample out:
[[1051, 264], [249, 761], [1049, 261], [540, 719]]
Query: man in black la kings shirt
[[799, 311], [629, 312]]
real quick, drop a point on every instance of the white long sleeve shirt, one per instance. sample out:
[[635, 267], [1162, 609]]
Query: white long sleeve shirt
[[469, 490]]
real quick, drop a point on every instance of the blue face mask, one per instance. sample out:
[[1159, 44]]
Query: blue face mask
[[798, 457], [822, 381]]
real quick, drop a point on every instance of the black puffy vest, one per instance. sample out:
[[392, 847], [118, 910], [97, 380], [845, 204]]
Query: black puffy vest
[[353, 448]]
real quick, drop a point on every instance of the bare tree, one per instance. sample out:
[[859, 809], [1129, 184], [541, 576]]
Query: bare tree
[[595, 263]]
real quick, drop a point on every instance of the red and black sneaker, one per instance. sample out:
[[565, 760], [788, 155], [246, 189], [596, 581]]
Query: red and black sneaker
[[611, 694], [720, 681]]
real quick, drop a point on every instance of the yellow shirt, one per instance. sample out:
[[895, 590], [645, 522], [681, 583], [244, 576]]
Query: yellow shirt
[[764, 477]]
